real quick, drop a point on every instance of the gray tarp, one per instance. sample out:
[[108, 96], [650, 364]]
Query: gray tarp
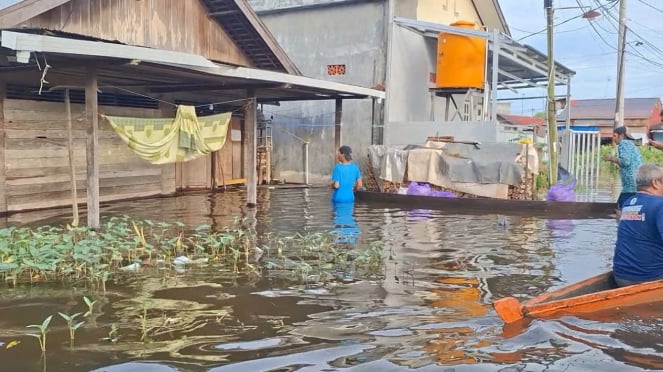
[[389, 161], [492, 163]]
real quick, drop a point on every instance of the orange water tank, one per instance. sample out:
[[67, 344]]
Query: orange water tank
[[461, 60]]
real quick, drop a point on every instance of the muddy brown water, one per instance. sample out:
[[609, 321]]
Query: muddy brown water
[[431, 312]]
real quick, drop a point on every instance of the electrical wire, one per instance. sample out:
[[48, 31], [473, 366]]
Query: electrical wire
[[651, 6]]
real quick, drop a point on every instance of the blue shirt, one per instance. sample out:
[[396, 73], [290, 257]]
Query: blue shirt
[[346, 175], [639, 249], [629, 161]]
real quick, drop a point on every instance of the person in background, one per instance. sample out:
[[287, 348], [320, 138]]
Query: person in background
[[639, 249], [657, 127], [346, 177], [628, 160]]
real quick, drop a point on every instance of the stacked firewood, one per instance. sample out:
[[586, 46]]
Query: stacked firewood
[[524, 190], [370, 181]]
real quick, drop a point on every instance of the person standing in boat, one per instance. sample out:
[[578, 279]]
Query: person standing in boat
[[628, 160], [346, 177], [638, 254]]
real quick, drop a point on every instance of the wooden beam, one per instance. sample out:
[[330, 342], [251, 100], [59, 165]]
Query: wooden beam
[[92, 122], [338, 118], [72, 167], [250, 127], [224, 13], [3, 168], [25, 10], [172, 88]]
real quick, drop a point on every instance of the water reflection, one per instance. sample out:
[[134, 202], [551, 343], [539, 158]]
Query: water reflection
[[345, 225], [431, 309]]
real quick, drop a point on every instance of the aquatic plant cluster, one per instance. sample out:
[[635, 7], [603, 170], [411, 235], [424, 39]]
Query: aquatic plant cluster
[[122, 245]]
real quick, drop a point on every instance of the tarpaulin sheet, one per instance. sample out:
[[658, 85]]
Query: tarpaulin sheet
[[483, 170]]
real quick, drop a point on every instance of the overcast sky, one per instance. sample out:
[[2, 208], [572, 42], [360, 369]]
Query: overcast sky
[[591, 51]]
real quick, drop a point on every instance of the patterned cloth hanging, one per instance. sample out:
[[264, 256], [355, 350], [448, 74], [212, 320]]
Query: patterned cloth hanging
[[162, 141]]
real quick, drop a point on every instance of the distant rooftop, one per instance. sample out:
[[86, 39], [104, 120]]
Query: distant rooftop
[[634, 108], [520, 119]]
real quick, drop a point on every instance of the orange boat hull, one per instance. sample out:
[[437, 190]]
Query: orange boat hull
[[588, 296]]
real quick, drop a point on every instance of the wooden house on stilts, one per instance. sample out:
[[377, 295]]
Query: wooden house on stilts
[[136, 58]]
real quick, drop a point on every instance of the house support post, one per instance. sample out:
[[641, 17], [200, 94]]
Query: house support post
[[3, 167], [494, 79], [72, 167], [251, 126], [168, 171], [552, 112], [338, 118], [92, 154]]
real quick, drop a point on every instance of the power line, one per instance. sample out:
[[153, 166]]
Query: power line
[[651, 6], [555, 25]]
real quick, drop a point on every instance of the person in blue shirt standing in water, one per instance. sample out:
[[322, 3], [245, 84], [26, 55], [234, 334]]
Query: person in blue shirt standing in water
[[346, 177]]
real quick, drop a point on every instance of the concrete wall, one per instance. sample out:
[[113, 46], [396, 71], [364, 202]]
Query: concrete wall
[[352, 34], [409, 97], [447, 11], [415, 133], [316, 33]]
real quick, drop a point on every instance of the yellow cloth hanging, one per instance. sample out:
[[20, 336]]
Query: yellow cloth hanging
[[162, 141]]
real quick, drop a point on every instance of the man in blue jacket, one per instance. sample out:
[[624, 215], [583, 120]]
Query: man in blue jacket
[[639, 249]]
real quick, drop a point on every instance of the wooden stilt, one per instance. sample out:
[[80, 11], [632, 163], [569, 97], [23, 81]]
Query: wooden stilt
[[268, 160], [251, 126], [92, 116], [168, 171], [3, 179], [72, 168], [337, 125]]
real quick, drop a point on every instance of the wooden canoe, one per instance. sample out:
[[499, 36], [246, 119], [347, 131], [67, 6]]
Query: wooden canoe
[[588, 296], [540, 208]]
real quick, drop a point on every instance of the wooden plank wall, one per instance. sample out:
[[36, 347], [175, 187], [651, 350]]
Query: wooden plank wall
[[197, 174], [36, 158], [180, 25], [229, 158]]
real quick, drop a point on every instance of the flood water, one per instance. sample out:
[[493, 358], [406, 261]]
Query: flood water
[[430, 312]]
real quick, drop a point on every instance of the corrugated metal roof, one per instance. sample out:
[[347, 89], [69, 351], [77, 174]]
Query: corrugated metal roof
[[634, 108], [520, 119]]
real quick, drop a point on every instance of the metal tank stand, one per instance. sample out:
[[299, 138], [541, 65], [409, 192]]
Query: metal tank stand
[[468, 108]]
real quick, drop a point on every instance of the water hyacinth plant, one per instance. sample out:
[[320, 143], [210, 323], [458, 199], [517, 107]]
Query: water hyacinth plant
[[123, 246]]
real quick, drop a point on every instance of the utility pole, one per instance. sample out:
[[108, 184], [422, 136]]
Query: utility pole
[[619, 106], [552, 112]]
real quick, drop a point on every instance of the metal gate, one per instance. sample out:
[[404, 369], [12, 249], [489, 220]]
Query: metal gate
[[582, 156]]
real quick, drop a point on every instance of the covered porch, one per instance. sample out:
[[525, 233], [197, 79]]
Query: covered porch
[[49, 66]]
